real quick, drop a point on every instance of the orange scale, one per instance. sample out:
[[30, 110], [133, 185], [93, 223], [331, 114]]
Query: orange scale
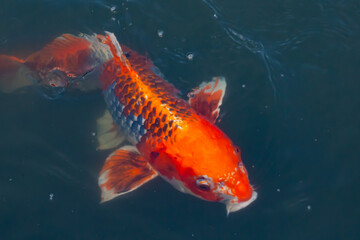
[[124, 90], [150, 117], [126, 111], [146, 125], [131, 103], [126, 99], [159, 132], [144, 112], [151, 129], [137, 109], [157, 122]]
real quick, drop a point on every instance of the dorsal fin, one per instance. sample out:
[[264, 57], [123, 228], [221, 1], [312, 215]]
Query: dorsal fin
[[139, 65]]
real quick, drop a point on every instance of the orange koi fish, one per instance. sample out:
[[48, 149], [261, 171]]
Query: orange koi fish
[[56, 66], [171, 138]]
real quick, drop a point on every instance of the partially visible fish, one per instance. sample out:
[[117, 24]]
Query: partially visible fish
[[56, 66], [173, 138]]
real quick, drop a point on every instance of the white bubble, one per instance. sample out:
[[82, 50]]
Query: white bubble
[[113, 9], [190, 56], [308, 207], [315, 139], [93, 134], [160, 33], [51, 196], [278, 190], [243, 86]]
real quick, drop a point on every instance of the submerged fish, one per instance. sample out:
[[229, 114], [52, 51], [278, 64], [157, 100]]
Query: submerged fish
[[173, 138], [58, 66]]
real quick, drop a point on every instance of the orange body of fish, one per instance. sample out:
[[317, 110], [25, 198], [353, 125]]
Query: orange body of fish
[[170, 137]]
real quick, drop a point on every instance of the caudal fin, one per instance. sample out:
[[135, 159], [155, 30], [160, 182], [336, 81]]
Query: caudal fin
[[12, 74]]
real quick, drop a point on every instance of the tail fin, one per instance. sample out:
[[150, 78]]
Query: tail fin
[[12, 74]]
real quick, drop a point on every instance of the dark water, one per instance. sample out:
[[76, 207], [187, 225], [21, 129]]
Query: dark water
[[292, 105]]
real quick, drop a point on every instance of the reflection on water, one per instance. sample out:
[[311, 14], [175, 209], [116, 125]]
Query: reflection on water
[[292, 106]]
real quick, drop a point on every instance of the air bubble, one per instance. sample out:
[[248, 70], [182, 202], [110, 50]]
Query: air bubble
[[190, 56], [160, 33], [113, 9]]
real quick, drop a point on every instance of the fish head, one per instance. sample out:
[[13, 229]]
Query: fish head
[[209, 166]]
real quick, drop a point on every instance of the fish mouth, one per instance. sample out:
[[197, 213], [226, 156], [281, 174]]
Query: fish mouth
[[232, 206]]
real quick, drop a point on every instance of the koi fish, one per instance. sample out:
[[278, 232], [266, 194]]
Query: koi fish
[[170, 137], [56, 67]]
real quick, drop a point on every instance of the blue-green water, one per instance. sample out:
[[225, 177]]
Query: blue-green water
[[292, 105]]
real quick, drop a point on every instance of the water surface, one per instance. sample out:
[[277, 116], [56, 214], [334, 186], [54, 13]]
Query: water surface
[[292, 105]]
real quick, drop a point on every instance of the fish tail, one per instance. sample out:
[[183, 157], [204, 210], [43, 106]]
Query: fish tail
[[12, 74]]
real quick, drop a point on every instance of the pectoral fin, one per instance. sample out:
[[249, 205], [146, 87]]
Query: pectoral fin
[[124, 171], [108, 134], [207, 98]]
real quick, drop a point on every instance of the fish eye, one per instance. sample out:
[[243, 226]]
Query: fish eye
[[203, 184], [237, 149]]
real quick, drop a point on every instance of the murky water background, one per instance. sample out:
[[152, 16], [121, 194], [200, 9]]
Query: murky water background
[[292, 105]]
